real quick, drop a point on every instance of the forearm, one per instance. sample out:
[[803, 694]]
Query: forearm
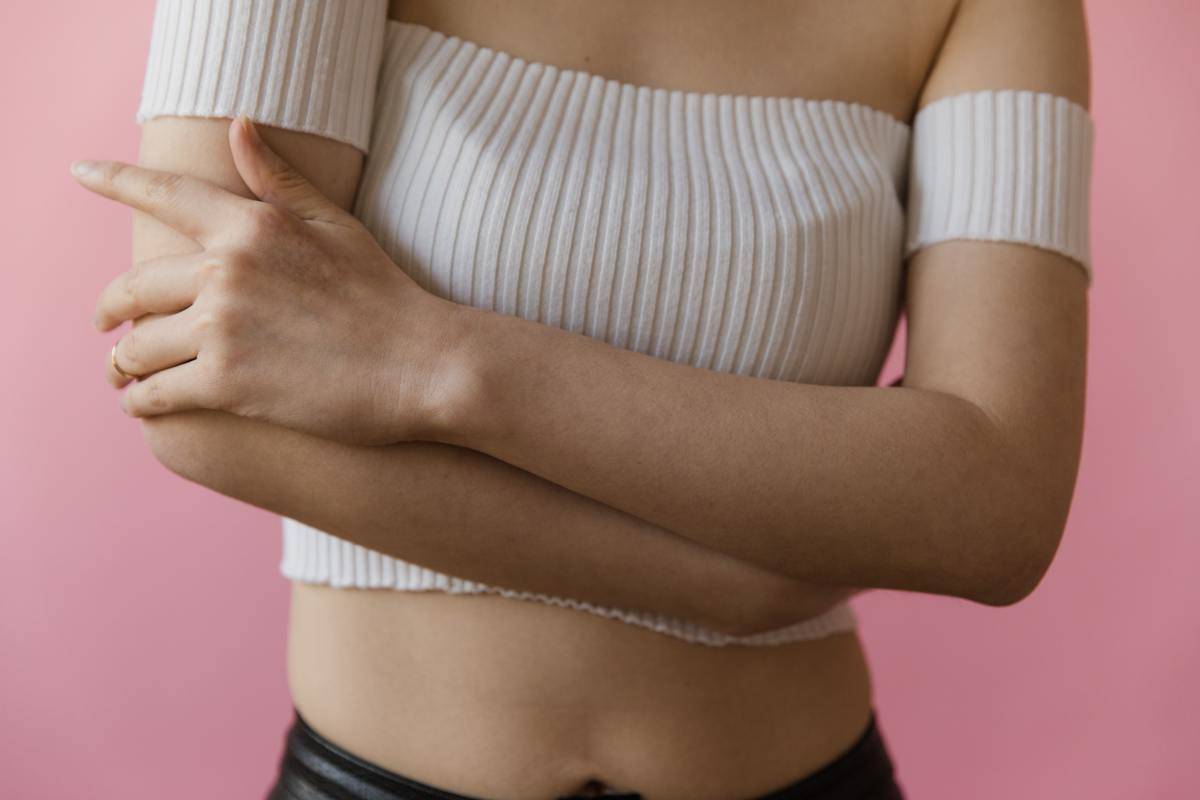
[[858, 486], [447, 508], [466, 514]]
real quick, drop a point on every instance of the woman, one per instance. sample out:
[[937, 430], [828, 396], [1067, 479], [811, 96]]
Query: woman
[[551, 331]]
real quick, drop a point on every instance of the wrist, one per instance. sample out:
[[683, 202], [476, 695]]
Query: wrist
[[457, 408]]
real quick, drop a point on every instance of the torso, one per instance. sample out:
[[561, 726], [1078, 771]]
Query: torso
[[501, 698]]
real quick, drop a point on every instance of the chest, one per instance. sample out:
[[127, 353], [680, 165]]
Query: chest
[[757, 235], [875, 52]]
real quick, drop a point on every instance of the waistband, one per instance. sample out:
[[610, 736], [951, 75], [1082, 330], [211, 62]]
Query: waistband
[[314, 768]]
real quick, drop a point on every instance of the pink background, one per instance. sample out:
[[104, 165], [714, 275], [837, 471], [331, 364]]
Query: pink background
[[137, 659]]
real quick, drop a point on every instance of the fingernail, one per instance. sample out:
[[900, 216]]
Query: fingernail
[[249, 127], [82, 168]]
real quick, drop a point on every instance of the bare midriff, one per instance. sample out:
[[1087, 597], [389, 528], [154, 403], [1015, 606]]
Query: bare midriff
[[513, 699]]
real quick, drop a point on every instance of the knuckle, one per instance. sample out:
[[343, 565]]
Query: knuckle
[[213, 270], [163, 187], [215, 319], [286, 179], [132, 278], [264, 220], [208, 271], [155, 398], [222, 274], [128, 355], [206, 324], [113, 170]]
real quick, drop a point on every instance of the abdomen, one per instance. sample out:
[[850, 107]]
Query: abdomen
[[499, 697]]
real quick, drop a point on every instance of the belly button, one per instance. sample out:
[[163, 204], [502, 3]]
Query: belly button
[[593, 788]]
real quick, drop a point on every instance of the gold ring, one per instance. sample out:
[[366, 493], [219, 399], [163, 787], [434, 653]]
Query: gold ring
[[113, 358]]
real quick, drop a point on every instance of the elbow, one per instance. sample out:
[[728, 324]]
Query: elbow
[[1011, 586], [1020, 514], [1019, 563]]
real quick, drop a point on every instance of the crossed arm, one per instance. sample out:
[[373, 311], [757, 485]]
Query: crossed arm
[[450, 509], [958, 483]]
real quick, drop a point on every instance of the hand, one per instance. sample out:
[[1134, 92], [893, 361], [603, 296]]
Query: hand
[[292, 313]]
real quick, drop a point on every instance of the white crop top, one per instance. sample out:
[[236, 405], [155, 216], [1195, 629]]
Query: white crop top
[[759, 236]]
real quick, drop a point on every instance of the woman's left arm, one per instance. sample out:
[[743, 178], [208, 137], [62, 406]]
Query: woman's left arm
[[959, 482]]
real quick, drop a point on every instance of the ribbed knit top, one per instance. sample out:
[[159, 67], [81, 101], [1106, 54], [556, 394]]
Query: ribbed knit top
[[760, 236]]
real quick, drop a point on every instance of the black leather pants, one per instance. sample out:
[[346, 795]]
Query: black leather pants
[[313, 768]]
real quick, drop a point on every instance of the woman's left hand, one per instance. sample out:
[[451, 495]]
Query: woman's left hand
[[292, 313]]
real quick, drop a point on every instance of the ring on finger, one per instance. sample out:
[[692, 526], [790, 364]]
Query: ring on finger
[[113, 358]]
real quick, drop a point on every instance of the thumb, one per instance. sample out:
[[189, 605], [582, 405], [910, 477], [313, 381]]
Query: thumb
[[274, 180]]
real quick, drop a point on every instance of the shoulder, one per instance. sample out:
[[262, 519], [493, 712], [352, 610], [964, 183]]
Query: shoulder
[[1039, 45]]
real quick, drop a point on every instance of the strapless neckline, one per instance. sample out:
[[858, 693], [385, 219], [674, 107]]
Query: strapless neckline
[[624, 85]]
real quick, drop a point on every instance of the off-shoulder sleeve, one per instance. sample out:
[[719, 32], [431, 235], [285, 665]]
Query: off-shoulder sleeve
[[305, 65], [1002, 165]]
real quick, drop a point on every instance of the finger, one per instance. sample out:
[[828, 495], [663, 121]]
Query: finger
[[178, 388], [158, 344], [161, 285], [110, 372], [273, 180], [194, 207]]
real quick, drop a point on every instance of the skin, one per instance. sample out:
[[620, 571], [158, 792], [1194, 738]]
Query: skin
[[991, 412], [290, 314], [240, 286]]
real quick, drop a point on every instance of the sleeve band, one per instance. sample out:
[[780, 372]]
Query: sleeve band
[[1002, 165], [305, 65]]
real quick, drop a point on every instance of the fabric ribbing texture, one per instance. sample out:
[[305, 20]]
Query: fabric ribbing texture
[[306, 65], [752, 235], [1004, 166]]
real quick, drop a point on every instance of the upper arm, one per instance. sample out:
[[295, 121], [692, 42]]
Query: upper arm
[[200, 147], [997, 308], [305, 72]]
